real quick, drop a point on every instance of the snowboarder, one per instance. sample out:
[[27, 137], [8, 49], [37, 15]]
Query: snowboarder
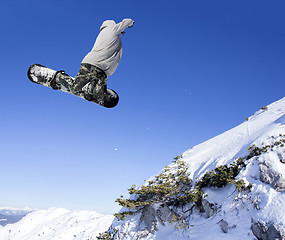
[[100, 63]]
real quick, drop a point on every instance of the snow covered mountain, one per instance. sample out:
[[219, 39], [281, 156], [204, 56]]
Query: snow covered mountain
[[229, 187], [57, 223], [236, 192]]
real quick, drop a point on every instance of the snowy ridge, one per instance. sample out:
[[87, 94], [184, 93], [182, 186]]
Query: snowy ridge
[[259, 213], [234, 143], [57, 223]]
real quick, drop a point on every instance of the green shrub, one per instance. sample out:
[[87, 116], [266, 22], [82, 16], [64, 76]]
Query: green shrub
[[255, 151], [108, 235], [176, 189], [222, 175], [104, 236], [166, 188]]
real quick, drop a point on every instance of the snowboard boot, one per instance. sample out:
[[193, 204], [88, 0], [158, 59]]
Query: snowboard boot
[[55, 85], [95, 91], [110, 98]]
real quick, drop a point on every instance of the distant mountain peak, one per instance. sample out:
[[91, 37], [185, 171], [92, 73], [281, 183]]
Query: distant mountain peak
[[10, 215]]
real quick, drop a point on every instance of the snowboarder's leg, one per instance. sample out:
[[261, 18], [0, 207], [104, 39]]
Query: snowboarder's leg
[[97, 88], [96, 80], [82, 78]]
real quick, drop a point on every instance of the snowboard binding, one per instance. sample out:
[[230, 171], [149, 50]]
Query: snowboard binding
[[54, 85]]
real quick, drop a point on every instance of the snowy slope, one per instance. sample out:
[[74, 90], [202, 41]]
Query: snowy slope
[[234, 143], [260, 212], [57, 224]]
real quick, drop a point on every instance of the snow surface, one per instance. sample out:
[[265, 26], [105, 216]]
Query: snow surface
[[239, 210], [234, 143], [57, 224]]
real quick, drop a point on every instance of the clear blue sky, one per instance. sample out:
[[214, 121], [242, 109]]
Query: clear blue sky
[[190, 71]]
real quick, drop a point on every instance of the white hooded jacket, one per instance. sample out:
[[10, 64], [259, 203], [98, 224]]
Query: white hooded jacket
[[107, 51]]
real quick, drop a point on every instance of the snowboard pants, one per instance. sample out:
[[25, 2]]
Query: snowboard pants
[[87, 73]]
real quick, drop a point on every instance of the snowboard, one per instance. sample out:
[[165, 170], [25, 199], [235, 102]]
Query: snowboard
[[45, 76]]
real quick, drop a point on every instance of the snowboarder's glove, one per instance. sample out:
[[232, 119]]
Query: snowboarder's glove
[[132, 24]]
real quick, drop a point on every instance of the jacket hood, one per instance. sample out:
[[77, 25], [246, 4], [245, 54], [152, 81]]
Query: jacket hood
[[107, 23]]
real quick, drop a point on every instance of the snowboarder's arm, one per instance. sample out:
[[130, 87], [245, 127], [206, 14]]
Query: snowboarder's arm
[[121, 26]]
